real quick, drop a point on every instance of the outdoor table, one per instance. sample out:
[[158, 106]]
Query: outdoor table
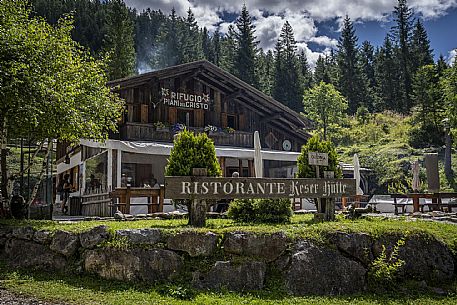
[[436, 201]]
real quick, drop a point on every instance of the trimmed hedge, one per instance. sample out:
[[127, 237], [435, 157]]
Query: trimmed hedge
[[261, 210]]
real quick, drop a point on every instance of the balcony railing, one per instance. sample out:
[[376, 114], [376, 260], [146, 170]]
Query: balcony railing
[[146, 132]]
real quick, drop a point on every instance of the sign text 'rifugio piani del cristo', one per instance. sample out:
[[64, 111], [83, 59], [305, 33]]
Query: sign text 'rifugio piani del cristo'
[[220, 188]]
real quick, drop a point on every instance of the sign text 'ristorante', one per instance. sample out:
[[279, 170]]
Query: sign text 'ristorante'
[[220, 188]]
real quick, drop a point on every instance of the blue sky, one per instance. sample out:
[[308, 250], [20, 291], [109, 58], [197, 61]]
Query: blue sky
[[316, 23]]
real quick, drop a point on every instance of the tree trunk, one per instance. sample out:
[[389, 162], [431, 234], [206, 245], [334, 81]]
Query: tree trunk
[[40, 178], [3, 167], [197, 213]]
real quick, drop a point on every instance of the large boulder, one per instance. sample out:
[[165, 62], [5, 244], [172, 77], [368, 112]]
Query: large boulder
[[425, 258], [27, 254], [141, 236], [23, 233], [238, 277], [66, 243], [42, 237], [357, 246], [94, 237], [265, 247], [133, 264], [194, 243], [5, 231], [312, 269]]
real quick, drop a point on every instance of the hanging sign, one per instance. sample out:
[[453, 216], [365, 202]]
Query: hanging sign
[[185, 100], [316, 158]]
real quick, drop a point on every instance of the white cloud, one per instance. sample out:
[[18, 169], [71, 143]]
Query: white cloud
[[324, 41], [451, 57], [269, 15], [316, 9]]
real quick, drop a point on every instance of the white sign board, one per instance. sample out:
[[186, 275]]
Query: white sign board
[[316, 158]]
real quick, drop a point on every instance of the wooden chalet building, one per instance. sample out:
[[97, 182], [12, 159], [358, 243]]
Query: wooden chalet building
[[201, 97]]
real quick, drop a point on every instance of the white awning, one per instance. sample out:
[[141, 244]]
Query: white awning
[[164, 149]]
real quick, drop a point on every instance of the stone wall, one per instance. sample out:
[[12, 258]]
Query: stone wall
[[238, 261]]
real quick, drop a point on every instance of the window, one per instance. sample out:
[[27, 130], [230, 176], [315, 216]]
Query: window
[[231, 121], [186, 117]]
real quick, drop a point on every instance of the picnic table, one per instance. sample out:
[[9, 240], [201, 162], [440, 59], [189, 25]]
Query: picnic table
[[437, 203]]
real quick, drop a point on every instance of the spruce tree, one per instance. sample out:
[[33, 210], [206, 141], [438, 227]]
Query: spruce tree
[[266, 71], [321, 72], [366, 63], [246, 51], [427, 127], [147, 30], [287, 87], [216, 48], [306, 74], [169, 46], [228, 51], [206, 44], [401, 33], [190, 41], [420, 47], [350, 83], [386, 77], [119, 43]]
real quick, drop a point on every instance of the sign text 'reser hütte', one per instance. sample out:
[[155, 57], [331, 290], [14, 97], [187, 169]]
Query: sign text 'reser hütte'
[[229, 188]]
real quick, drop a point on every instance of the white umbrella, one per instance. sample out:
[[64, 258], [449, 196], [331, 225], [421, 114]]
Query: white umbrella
[[416, 180], [258, 162], [357, 175]]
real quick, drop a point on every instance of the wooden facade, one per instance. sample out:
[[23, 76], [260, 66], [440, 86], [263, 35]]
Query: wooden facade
[[232, 108]]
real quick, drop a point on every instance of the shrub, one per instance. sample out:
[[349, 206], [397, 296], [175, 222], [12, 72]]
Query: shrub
[[273, 210], [261, 210], [384, 271], [314, 144], [192, 151], [242, 210]]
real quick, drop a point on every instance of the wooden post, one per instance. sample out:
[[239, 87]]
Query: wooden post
[[127, 200], [198, 207]]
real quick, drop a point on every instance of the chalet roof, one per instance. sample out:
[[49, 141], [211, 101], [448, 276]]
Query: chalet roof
[[233, 88]]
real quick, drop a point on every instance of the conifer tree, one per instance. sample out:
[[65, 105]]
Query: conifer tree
[[216, 48], [306, 74], [147, 30], [190, 44], [441, 66], [386, 77], [368, 79], [287, 87], [246, 51], [266, 71], [206, 44], [321, 72], [350, 83], [228, 50], [119, 43], [401, 33], [168, 53], [420, 47], [427, 127]]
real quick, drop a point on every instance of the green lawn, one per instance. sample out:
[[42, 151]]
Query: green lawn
[[76, 289]]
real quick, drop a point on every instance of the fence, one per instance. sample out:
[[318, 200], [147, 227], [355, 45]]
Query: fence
[[95, 202]]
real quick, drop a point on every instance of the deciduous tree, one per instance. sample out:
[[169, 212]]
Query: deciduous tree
[[50, 87]]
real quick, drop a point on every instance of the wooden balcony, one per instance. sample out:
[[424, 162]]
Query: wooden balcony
[[147, 132]]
